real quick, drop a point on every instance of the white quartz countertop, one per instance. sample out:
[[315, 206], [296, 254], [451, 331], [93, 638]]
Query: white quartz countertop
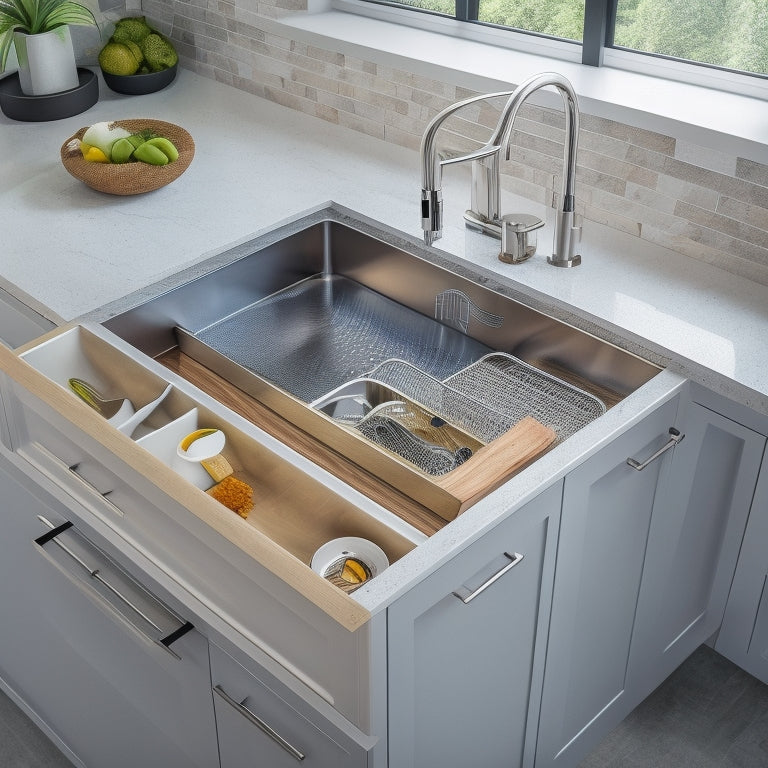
[[68, 250]]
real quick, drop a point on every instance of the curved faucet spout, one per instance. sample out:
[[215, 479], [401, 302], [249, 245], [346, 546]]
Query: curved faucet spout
[[432, 165], [503, 129], [431, 162], [485, 168]]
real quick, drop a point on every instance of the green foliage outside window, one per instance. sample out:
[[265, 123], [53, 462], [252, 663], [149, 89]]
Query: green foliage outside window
[[728, 33], [559, 18]]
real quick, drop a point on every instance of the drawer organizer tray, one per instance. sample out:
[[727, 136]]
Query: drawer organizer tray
[[295, 508]]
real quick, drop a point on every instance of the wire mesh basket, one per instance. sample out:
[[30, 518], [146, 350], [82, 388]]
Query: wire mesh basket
[[507, 384]]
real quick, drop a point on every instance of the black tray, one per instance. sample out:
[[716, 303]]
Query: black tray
[[53, 106]]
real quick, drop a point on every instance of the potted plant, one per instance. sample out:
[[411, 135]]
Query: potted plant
[[39, 30]]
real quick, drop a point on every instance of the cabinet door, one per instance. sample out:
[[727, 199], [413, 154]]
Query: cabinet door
[[260, 722], [606, 516], [698, 525], [465, 647], [743, 637], [74, 652]]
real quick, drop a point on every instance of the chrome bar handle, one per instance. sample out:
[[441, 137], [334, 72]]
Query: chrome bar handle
[[675, 436], [252, 717], [104, 494], [466, 595], [72, 469], [52, 535]]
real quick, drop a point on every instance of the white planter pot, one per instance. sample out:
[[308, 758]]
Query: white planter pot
[[46, 62]]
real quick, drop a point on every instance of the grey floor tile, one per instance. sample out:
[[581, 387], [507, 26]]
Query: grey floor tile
[[22, 743], [708, 714]]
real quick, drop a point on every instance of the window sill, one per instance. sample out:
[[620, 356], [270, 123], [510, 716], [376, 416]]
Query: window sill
[[713, 119]]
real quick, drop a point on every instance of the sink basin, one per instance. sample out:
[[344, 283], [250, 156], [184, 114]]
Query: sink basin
[[294, 322]]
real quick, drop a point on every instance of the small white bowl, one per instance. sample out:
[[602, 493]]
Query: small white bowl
[[364, 550]]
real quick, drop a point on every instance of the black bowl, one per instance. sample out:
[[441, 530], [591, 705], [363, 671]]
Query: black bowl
[[135, 85], [53, 106]]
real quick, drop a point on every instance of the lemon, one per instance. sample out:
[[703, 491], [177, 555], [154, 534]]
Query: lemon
[[118, 59], [93, 154]]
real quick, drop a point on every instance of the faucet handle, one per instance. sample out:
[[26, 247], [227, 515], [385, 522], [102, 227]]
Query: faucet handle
[[518, 237], [567, 238]]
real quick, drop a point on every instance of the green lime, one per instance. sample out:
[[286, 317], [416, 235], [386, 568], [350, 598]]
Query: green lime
[[118, 59]]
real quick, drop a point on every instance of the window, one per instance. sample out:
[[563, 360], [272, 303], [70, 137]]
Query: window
[[732, 34], [726, 34]]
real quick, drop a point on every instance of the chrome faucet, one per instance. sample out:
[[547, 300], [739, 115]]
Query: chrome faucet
[[484, 212]]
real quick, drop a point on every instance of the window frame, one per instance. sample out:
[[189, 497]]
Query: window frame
[[596, 49]]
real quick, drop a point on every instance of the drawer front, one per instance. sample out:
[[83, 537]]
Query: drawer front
[[251, 599], [260, 722], [119, 677]]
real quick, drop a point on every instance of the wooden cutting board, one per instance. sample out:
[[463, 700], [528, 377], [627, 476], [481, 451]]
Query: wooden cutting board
[[492, 464]]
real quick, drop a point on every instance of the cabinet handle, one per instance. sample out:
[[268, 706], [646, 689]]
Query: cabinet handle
[[674, 438], [259, 723], [94, 573], [73, 471], [466, 596]]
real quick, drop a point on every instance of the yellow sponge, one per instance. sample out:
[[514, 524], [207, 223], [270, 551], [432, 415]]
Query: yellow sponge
[[235, 494]]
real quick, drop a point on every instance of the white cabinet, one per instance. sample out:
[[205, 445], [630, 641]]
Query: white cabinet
[[744, 634], [115, 677], [260, 722], [644, 567], [466, 647], [606, 516], [696, 532]]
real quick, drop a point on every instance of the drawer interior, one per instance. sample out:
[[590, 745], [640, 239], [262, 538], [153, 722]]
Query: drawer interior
[[294, 508]]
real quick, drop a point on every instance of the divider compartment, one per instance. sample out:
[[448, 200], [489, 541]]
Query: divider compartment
[[292, 508]]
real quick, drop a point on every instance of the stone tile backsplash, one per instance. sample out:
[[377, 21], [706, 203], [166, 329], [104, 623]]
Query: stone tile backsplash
[[707, 205]]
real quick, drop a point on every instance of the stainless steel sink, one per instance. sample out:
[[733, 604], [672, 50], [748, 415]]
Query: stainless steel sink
[[299, 318]]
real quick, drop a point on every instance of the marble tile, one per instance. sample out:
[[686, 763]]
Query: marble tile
[[749, 214], [639, 137], [751, 171], [689, 193], [705, 158], [723, 224]]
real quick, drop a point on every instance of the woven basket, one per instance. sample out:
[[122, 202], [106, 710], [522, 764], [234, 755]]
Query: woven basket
[[132, 178]]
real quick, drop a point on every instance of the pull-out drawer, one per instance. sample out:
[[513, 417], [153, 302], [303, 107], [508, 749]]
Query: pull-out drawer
[[253, 572], [103, 659], [261, 722]]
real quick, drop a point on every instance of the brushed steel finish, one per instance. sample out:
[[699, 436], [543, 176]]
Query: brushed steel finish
[[252, 717], [316, 335], [675, 437], [467, 596], [331, 247], [485, 211], [129, 602]]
